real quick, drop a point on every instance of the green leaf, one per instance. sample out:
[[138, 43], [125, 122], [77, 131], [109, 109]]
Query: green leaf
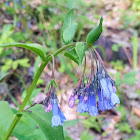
[[68, 20], [124, 127], [24, 62], [69, 33], [94, 34], [85, 136], [72, 55], [6, 117], [80, 50], [43, 119], [5, 68], [69, 27], [36, 48], [15, 65], [27, 129]]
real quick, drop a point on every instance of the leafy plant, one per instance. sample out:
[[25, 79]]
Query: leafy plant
[[50, 124]]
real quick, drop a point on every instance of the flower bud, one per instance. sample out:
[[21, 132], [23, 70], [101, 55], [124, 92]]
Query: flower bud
[[71, 102]]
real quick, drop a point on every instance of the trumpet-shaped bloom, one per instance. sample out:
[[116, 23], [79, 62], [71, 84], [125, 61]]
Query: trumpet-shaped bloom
[[92, 109], [58, 117], [114, 99], [105, 91]]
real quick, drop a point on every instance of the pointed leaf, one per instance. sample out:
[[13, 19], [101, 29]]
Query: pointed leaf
[[72, 55], [36, 48], [69, 33], [68, 20], [80, 50], [43, 119], [69, 27], [94, 34]]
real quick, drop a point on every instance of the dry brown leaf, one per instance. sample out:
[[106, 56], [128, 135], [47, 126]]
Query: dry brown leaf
[[136, 111]]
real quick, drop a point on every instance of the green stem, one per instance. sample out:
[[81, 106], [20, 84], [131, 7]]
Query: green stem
[[37, 76]]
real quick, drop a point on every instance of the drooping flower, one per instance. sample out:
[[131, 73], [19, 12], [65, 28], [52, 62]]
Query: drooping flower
[[72, 101], [98, 83], [100, 102], [92, 108], [51, 103], [105, 91], [114, 97], [56, 120], [80, 105]]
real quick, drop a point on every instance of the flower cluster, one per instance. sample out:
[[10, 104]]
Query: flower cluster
[[97, 93], [101, 85], [51, 103]]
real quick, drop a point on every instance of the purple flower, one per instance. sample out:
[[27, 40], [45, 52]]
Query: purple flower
[[80, 105], [100, 102], [62, 117], [49, 108], [88, 106], [104, 87], [56, 121], [114, 97], [107, 104], [103, 104], [71, 102], [92, 109], [56, 118]]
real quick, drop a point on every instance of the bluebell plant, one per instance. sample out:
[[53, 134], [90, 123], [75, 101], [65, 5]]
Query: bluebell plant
[[99, 85], [95, 93]]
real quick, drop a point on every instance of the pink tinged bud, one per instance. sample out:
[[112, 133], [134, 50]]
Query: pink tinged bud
[[114, 88], [75, 97], [70, 97], [50, 107], [47, 110], [71, 102], [85, 98], [44, 106]]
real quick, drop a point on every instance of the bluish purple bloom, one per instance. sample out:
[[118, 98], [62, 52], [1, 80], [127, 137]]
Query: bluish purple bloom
[[114, 97], [58, 117], [92, 109], [88, 106], [62, 117], [103, 104], [80, 105], [100, 102], [51, 103], [71, 102], [107, 104], [104, 87]]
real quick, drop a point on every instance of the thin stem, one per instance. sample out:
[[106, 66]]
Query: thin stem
[[91, 75], [37, 76], [99, 57], [53, 66], [80, 80]]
